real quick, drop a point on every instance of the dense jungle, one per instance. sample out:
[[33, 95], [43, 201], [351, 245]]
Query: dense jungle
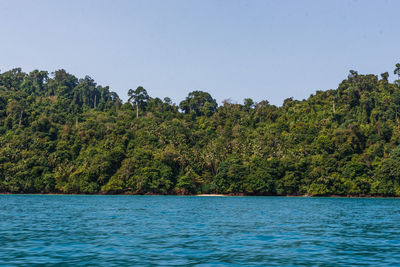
[[63, 134]]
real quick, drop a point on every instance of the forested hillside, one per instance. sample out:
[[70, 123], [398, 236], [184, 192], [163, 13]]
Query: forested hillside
[[61, 134]]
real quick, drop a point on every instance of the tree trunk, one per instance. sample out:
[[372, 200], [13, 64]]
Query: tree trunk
[[137, 111], [20, 117]]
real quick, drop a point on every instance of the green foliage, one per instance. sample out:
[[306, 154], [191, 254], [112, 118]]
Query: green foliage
[[201, 103], [230, 176], [139, 97], [61, 134]]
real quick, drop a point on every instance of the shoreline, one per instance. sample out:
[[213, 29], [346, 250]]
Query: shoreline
[[202, 195]]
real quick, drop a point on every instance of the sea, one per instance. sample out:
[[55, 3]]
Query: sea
[[122, 230]]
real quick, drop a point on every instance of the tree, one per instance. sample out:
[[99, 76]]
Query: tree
[[139, 97], [397, 71], [248, 103], [385, 76], [230, 176], [15, 107], [200, 102]]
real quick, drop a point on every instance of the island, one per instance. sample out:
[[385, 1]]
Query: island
[[66, 135]]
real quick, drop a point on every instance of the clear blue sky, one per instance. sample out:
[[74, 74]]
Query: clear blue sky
[[230, 48]]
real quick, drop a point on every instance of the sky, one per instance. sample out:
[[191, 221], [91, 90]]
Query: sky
[[233, 49]]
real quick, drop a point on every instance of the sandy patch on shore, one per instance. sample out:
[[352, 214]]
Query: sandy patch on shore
[[211, 195]]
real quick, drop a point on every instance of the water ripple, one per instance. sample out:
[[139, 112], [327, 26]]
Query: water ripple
[[206, 231]]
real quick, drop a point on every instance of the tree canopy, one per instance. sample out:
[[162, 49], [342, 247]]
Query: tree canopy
[[62, 134]]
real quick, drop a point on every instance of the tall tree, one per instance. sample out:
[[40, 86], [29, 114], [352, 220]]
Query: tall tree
[[200, 102], [139, 97], [397, 71]]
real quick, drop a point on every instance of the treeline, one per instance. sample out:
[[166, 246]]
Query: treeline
[[61, 134]]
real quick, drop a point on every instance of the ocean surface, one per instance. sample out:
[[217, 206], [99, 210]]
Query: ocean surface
[[204, 231]]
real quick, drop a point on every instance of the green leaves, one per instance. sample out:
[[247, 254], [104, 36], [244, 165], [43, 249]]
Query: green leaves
[[199, 102], [139, 97], [59, 133]]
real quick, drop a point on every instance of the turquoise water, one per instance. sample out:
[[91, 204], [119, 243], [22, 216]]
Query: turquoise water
[[209, 231]]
